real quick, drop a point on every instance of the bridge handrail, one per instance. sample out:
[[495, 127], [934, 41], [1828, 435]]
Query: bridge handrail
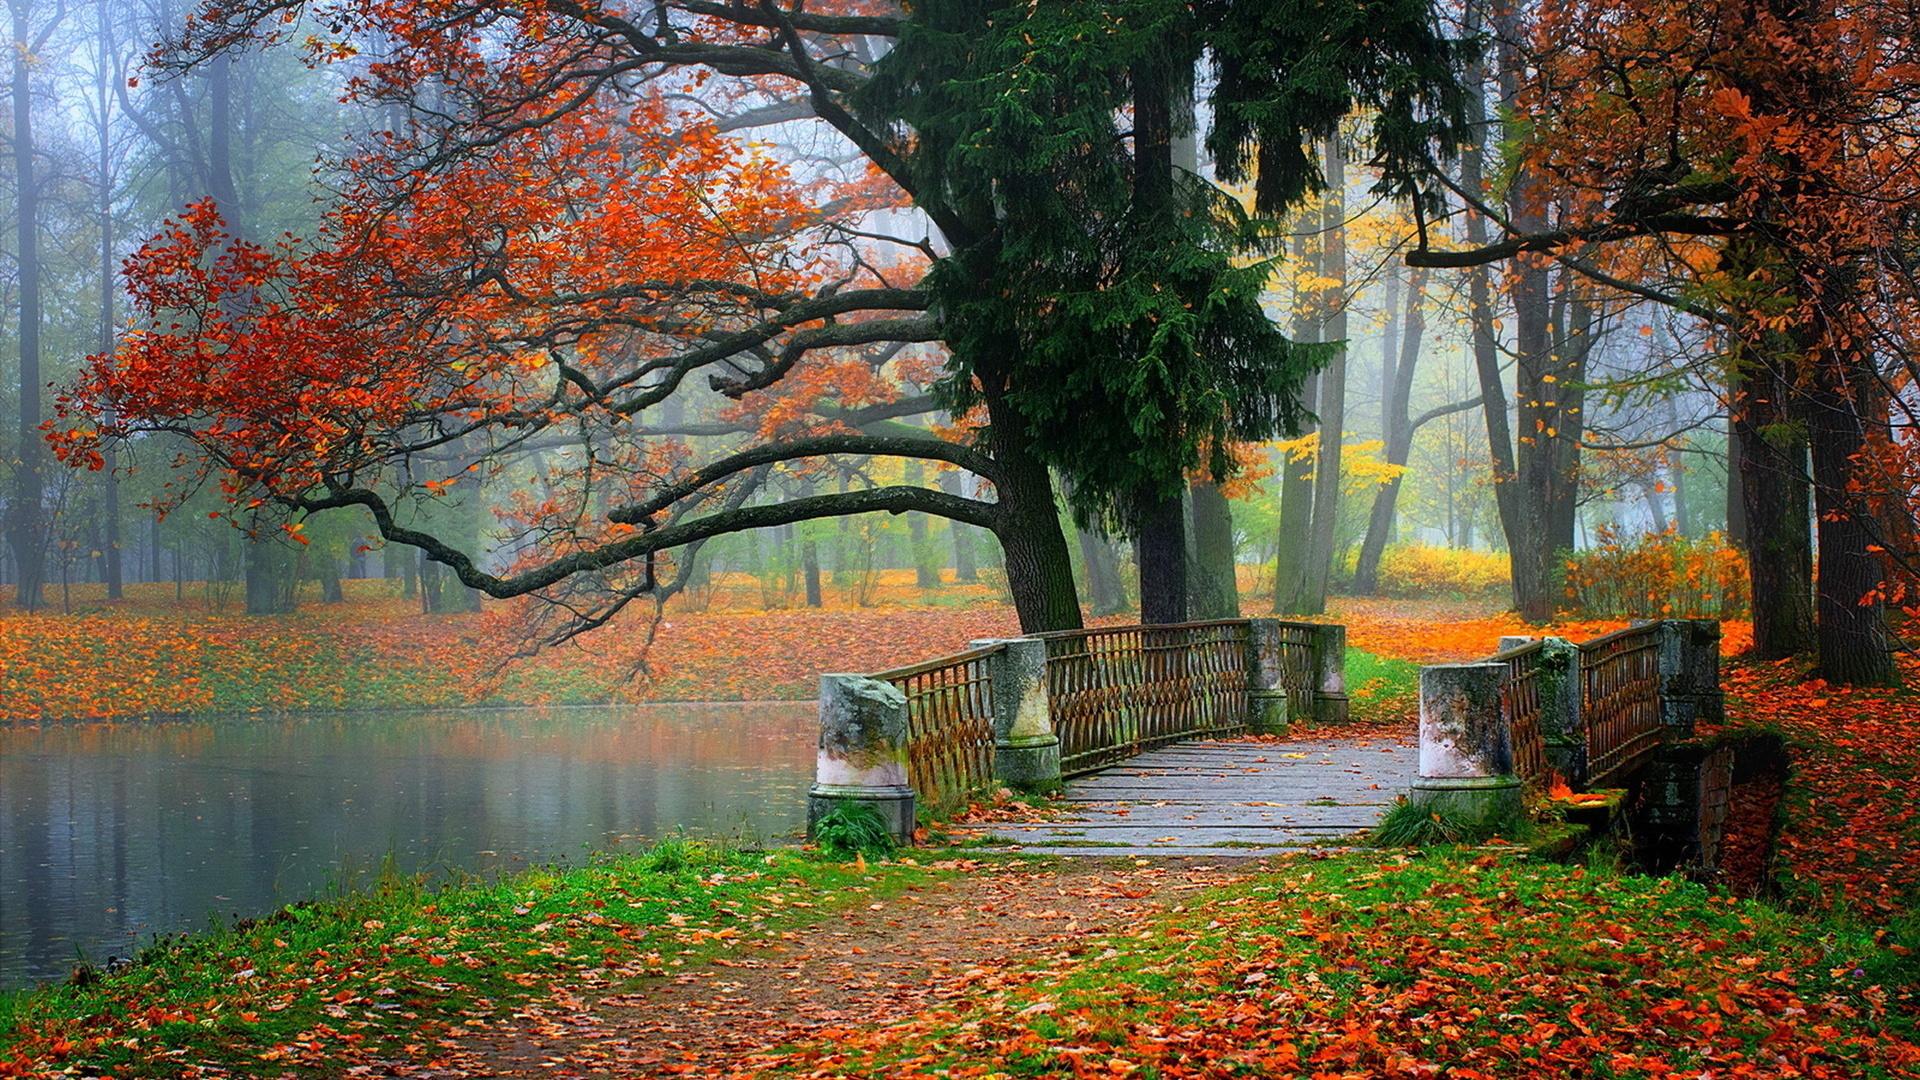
[[950, 717], [1620, 701], [1521, 700], [1027, 712], [1116, 691]]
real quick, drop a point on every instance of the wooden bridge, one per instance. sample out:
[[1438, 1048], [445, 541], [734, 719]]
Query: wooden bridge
[[1144, 727]]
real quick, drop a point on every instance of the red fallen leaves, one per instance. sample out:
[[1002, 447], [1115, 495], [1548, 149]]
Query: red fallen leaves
[[1852, 838]]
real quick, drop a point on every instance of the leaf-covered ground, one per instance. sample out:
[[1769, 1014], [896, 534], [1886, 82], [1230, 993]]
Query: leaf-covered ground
[[151, 657], [1469, 964], [1480, 964]]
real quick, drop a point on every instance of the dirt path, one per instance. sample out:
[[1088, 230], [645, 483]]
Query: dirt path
[[877, 964]]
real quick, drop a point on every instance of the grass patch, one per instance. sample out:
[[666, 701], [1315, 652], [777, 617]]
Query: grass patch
[[1471, 964], [386, 971], [1381, 689]]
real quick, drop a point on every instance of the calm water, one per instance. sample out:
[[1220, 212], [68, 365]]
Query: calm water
[[110, 836]]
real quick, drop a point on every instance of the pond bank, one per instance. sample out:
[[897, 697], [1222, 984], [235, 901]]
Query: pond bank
[[1469, 963]]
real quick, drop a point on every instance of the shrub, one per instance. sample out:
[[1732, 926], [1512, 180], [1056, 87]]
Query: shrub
[[852, 828], [1419, 572], [1662, 575]]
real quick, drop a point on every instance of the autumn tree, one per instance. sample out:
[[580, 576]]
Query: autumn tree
[[1754, 142], [551, 246]]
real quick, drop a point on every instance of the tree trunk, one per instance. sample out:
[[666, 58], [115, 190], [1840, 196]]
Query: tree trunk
[[1850, 618], [1039, 568], [26, 514], [1333, 384], [1160, 545], [1398, 429], [1773, 485], [1215, 585]]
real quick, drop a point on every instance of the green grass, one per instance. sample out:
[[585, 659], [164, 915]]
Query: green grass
[[1464, 964], [1381, 690], [398, 964]]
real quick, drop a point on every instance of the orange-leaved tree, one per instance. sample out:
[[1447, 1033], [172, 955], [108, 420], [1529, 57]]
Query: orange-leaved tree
[[535, 264], [1741, 162]]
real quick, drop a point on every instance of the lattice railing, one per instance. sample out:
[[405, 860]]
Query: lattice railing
[[1620, 701], [1520, 697], [1299, 667], [1117, 691], [949, 724]]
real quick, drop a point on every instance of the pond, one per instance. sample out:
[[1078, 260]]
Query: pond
[[111, 835]]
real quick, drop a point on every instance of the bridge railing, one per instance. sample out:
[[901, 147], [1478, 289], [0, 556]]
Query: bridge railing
[[1025, 712], [1114, 692], [1520, 703], [1620, 701], [1539, 709], [949, 703]]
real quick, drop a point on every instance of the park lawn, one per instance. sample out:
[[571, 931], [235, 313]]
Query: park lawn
[[1463, 964], [387, 972], [1456, 962]]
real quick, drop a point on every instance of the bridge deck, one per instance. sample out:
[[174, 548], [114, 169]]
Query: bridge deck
[[1227, 797]]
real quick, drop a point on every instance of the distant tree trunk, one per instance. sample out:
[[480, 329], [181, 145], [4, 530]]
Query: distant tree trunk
[[26, 513], [1106, 594], [104, 179], [926, 566], [328, 570], [966, 566], [810, 571], [1398, 429], [1333, 383], [271, 583], [1215, 588], [1486, 352], [1296, 502]]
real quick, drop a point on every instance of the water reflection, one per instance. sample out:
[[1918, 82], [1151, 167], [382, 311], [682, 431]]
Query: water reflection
[[110, 835]]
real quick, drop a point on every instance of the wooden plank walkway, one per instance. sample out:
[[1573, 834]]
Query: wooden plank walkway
[[1227, 798]]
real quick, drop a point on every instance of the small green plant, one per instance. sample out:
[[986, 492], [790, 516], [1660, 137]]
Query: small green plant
[[672, 855], [853, 828], [1408, 825]]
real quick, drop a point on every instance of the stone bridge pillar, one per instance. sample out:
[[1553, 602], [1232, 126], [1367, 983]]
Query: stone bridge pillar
[[1690, 675], [1466, 745], [1330, 678], [863, 751], [1026, 750], [1561, 727], [1267, 704]]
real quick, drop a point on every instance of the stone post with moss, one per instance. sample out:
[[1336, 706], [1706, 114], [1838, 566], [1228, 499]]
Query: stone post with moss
[[1561, 727], [1330, 674], [1466, 746], [1026, 751], [863, 752], [1267, 705], [1689, 675]]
